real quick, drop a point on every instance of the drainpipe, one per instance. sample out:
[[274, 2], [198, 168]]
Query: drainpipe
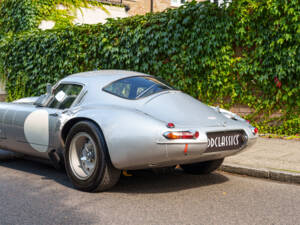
[[151, 6]]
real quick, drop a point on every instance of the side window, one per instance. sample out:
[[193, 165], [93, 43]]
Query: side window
[[136, 87], [64, 96], [121, 89]]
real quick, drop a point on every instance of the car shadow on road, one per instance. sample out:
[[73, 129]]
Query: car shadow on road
[[148, 182], [142, 181], [44, 170]]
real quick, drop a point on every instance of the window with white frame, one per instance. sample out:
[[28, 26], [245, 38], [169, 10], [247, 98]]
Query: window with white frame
[[220, 2], [177, 3]]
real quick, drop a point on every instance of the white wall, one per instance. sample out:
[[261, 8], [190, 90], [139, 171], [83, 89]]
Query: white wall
[[97, 15], [92, 15]]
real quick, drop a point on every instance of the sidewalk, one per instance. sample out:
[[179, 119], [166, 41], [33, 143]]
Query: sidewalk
[[270, 158]]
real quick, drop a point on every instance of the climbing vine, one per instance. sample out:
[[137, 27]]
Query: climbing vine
[[26, 15], [247, 53]]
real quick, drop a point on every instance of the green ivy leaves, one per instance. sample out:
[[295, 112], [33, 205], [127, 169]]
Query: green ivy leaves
[[247, 53], [26, 15]]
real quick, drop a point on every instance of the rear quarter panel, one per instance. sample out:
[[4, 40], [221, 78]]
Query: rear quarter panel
[[131, 136]]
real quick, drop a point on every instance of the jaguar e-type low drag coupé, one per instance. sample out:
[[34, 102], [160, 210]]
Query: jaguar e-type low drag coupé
[[99, 123]]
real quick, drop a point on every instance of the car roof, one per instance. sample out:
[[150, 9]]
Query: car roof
[[101, 77]]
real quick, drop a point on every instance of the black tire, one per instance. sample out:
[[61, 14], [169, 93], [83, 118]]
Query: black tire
[[202, 167], [104, 175]]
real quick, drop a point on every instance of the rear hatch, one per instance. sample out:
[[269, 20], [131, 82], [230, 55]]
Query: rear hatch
[[182, 110]]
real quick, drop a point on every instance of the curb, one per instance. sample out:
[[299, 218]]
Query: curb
[[282, 176]]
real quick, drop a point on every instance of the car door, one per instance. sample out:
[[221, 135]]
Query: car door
[[27, 128], [34, 128], [3, 112]]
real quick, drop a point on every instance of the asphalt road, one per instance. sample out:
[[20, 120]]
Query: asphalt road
[[34, 193]]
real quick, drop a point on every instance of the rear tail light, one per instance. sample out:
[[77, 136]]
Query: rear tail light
[[254, 130], [181, 135], [171, 125]]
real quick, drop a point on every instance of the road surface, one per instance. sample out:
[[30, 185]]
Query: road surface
[[35, 193]]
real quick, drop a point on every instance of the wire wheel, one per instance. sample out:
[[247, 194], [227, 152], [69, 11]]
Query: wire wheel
[[87, 159], [83, 156]]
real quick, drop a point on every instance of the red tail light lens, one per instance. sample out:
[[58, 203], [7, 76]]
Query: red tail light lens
[[171, 125], [254, 130], [181, 135]]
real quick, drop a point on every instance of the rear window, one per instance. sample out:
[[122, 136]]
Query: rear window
[[136, 87]]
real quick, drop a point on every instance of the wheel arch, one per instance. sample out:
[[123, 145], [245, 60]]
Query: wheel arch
[[68, 126]]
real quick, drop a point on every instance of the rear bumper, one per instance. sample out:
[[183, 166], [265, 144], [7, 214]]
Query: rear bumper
[[165, 152], [173, 154], [176, 153]]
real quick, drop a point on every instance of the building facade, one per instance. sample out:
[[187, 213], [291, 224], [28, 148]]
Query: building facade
[[140, 7]]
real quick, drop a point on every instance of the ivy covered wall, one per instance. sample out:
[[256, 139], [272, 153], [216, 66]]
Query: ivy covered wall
[[26, 15], [246, 54]]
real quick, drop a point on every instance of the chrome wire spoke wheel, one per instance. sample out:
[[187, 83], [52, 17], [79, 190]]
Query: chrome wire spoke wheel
[[83, 156], [87, 160]]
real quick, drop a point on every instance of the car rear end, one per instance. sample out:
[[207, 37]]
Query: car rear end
[[195, 132], [185, 145]]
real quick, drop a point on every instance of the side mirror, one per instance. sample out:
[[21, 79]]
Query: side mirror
[[43, 98], [41, 101]]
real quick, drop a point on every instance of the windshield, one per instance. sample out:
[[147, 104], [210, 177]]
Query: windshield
[[136, 87]]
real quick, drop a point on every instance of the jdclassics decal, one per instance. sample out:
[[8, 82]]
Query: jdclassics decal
[[223, 141]]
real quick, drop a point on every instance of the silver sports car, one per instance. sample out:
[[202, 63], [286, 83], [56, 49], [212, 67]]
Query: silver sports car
[[99, 123]]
